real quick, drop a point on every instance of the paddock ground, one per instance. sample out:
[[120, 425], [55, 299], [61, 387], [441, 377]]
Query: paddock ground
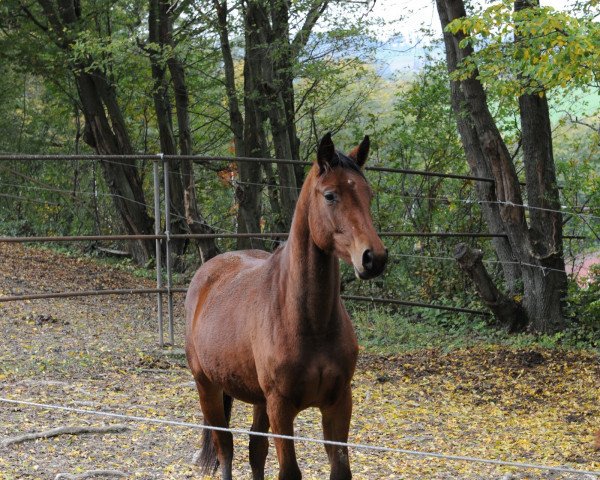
[[99, 353]]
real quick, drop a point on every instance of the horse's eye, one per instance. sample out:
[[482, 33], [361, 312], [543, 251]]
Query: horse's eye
[[329, 196]]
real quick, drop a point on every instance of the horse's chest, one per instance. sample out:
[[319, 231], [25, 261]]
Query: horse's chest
[[313, 379], [324, 381]]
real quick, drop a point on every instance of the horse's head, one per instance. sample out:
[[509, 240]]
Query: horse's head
[[340, 218]]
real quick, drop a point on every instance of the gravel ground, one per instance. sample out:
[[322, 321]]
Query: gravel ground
[[100, 353]]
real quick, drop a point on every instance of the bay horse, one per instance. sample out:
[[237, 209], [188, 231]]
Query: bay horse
[[271, 329]]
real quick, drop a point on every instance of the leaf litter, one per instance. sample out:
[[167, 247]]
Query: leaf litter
[[100, 353]]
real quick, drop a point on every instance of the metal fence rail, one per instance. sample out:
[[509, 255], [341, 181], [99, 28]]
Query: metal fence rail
[[275, 235], [209, 159], [165, 236], [145, 291]]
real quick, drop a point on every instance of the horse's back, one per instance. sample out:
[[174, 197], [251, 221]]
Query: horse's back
[[219, 276]]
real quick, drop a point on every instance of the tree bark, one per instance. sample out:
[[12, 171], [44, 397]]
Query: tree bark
[[248, 191], [265, 48], [545, 219], [269, 61], [479, 166], [248, 132], [157, 31], [109, 137], [507, 312], [105, 130], [487, 152], [187, 217]]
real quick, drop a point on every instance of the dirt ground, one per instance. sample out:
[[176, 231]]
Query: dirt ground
[[100, 353]]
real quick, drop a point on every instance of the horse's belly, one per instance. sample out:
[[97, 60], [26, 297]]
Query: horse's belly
[[229, 365], [243, 393]]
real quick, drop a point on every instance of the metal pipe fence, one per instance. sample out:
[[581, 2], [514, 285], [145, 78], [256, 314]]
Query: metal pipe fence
[[163, 237], [266, 235], [209, 159]]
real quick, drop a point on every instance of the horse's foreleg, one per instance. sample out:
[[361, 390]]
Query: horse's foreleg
[[281, 417], [336, 424], [213, 409], [259, 446]]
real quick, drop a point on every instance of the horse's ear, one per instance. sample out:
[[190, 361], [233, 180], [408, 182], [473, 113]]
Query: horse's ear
[[360, 153], [326, 155]]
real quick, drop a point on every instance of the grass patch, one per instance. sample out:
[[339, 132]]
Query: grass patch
[[388, 331]]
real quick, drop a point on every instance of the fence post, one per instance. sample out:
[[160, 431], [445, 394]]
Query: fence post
[[168, 250], [157, 217]]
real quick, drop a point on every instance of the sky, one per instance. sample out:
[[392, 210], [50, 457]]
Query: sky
[[404, 53], [418, 13]]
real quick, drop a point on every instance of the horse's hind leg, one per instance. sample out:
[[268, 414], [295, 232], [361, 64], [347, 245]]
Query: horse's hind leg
[[259, 445], [336, 424], [213, 409]]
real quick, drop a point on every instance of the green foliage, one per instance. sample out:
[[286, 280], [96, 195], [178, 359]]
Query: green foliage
[[584, 301], [391, 331], [387, 331], [552, 48], [410, 122]]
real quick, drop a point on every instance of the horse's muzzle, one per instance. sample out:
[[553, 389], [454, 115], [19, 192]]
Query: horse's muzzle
[[373, 264]]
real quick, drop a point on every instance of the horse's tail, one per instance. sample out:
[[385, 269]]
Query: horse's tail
[[208, 460]]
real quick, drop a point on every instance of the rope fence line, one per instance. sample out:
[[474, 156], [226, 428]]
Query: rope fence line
[[473, 201], [495, 262], [228, 234], [466, 201], [392, 170], [358, 446], [531, 207], [281, 235], [25, 199]]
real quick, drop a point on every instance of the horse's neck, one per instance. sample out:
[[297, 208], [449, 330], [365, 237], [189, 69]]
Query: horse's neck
[[312, 278]]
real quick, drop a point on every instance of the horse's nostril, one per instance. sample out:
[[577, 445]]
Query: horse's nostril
[[367, 259]]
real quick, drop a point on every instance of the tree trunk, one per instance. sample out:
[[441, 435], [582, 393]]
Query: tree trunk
[[196, 222], [268, 96], [162, 108], [273, 42], [248, 191], [110, 138], [479, 167], [186, 216], [248, 133], [105, 130], [487, 152], [545, 226], [507, 312]]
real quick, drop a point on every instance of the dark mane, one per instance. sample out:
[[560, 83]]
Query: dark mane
[[346, 162]]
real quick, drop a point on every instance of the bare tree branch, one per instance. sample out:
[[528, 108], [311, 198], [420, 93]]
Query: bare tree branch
[[55, 432]]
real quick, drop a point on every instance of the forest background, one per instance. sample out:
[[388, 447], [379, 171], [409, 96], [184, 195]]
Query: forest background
[[268, 79]]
